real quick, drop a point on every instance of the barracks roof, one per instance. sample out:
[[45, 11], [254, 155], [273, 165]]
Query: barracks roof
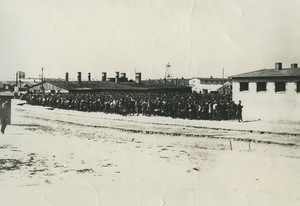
[[263, 73], [107, 85], [12, 83]]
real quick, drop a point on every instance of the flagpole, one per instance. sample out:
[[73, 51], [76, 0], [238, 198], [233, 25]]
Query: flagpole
[[16, 79], [19, 81]]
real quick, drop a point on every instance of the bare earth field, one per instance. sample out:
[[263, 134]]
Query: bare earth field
[[68, 158]]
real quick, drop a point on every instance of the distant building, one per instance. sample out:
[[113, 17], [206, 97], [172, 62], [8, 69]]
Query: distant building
[[206, 85], [117, 83], [10, 85], [272, 94], [5, 86], [50, 87], [171, 81], [226, 88]]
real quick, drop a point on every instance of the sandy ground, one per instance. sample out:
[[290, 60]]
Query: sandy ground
[[57, 157]]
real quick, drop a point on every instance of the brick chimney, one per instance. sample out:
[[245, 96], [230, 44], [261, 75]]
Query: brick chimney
[[117, 78], [104, 76], [278, 66], [79, 77], [67, 76]]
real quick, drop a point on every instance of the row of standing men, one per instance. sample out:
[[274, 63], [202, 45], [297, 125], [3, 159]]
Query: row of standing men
[[176, 105]]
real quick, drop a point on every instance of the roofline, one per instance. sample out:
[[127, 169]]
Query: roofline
[[265, 77], [212, 78], [240, 76]]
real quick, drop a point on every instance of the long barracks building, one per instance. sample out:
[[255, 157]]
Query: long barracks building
[[120, 84]]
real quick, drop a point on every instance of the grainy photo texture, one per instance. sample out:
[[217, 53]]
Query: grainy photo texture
[[149, 102]]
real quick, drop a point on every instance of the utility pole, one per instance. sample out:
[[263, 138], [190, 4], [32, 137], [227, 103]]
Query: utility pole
[[42, 75], [42, 86], [223, 75], [17, 78], [20, 81]]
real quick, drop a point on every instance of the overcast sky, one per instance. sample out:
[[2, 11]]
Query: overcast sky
[[198, 37]]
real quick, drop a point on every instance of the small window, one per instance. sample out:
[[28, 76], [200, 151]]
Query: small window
[[244, 86], [280, 87], [261, 86], [298, 87]]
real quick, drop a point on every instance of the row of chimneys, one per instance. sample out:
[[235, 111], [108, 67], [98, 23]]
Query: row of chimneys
[[138, 77], [278, 66]]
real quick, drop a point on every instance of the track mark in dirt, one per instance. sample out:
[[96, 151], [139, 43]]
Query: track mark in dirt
[[49, 174], [67, 170], [16, 150], [40, 129], [184, 152], [208, 134], [89, 170], [57, 165], [10, 164], [200, 147], [107, 165], [5, 146], [120, 142], [193, 169], [35, 170], [48, 182], [291, 156]]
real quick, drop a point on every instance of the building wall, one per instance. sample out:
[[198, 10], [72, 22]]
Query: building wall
[[48, 88], [198, 86], [269, 105]]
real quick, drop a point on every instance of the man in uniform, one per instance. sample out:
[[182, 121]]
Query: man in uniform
[[239, 111], [4, 116]]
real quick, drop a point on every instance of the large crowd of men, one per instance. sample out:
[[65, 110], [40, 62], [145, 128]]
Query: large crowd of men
[[176, 105]]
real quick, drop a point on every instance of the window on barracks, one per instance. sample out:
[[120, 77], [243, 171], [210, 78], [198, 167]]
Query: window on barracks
[[280, 87], [244, 86], [261, 86], [298, 87]]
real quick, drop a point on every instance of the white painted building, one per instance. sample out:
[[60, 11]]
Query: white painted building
[[48, 87], [269, 94], [206, 85]]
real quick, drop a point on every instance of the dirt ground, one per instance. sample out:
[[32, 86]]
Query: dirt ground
[[59, 157]]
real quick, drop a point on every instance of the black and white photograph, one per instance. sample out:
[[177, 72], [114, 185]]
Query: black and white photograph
[[149, 103]]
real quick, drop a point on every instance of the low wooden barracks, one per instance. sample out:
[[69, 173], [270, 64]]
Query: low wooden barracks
[[117, 83]]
